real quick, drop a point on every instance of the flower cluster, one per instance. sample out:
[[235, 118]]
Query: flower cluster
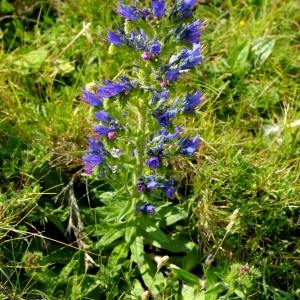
[[147, 128]]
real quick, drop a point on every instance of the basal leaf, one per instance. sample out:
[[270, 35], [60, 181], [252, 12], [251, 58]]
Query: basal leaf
[[118, 256], [130, 232], [186, 276], [137, 250], [110, 237]]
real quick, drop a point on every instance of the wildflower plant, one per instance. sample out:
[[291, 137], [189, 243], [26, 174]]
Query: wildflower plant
[[137, 133]]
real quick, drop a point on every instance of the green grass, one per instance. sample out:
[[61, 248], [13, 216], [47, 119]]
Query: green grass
[[249, 78]]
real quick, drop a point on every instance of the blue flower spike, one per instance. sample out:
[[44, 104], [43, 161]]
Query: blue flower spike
[[135, 116]]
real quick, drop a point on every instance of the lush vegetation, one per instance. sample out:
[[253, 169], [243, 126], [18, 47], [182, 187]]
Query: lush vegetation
[[231, 232]]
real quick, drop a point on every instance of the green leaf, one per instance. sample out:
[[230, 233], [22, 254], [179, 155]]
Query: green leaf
[[159, 239], [66, 271], [32, 60], [188, 293], [154, 281], [137, 289], [137, 250], [110, 237], [238, 58], [262, 49], [185, 276], [130, 232], [171, 215], [6, 7], [48, 278], [213, 292], [118, 256], [191, 259]]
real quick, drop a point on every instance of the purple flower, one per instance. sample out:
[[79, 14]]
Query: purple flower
[[165, 118], [147, 208], [190, 102], [191, 58], [91, 161], [146, 55], [190, 33], [103, 116], [95, 156], [111, 135], [128, 12], [169, 188], [189, 146], [96, 146], [183, 8], [115, 38], [151, 183], [172, 75], [163, 83], [103, 130], [153, 162], [155, 48], [158, 8], [113, 88], [169, 191], [92, 99], [167, 136], [141, 187]]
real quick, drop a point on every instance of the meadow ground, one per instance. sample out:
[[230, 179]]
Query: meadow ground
[[239, 201]]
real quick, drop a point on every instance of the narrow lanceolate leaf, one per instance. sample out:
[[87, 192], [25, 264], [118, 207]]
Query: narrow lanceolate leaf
[[66, 271], [109, 237], [185, 276], [159, 239], [137, 250], [154, 281], [130, 233], [262, 48], [118, 256]]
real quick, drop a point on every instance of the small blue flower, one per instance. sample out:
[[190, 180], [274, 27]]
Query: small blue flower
[[190, 33], [103, 116], [103, 130], [128, 12], [190, 102], [172, 75], [167, 136], [189, 146], [141, 187], [160, 96], [115, 38], [151, 183], [169, 191], [96, 146], [158, 8], [96, 155], [133, 39], [91, 161], [183, 8], [155, 48], [191, 58], [165, 118], [153, 162], [113, 88], [147, 208], [92, 99], [168, 187], [137, 41]]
